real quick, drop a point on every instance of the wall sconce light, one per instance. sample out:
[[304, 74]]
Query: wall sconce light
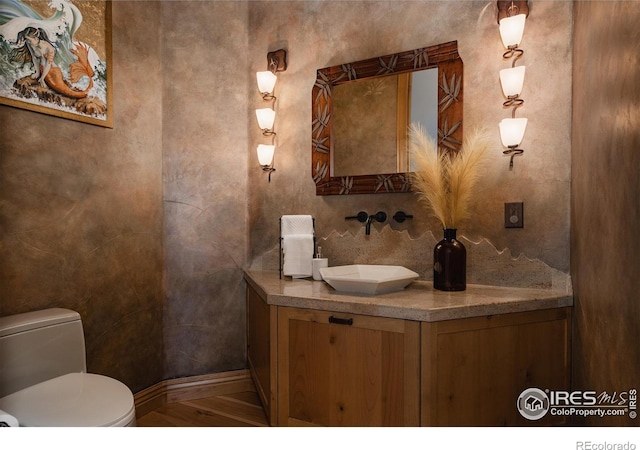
[[266, 117], [511, 134], [265, 154], [511, 18], [266, 84], [512, 81], [276, 62], [511, 31]]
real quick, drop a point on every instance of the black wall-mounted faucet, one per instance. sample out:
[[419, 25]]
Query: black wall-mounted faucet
[[380, 216], [401, 216], [361, 217], [365, 218]]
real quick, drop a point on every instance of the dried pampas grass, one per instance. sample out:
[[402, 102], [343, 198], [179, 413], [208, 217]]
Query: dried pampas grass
[[445, 181]]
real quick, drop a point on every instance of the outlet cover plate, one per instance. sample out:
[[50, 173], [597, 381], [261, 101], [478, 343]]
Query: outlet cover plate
[[514, 215]]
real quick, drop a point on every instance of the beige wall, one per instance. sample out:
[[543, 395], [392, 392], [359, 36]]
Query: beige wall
[[319, 34], [145, 228], [81, 210], [206, 84], [605, 243]]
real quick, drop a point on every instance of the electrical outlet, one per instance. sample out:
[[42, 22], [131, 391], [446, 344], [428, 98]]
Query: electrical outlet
[[513, 215]]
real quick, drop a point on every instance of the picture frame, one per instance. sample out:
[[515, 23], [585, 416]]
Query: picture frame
[[55, 58]]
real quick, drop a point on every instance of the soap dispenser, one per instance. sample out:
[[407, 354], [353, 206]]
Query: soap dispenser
[[318, 263]]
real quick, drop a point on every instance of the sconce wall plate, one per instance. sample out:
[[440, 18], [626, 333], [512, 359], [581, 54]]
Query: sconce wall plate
[[507, 8], [277, 61]]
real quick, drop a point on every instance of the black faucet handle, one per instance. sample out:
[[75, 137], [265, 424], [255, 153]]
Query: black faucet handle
[[380, 216], [361, 217], [401, 216]]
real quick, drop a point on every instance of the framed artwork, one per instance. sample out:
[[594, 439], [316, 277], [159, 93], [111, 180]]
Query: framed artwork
[[55, 58]]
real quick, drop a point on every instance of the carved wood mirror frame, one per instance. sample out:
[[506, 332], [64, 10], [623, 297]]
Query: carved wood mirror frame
[[450, 81]]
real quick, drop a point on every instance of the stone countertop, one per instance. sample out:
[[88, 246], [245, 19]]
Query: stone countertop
[[418, 301]]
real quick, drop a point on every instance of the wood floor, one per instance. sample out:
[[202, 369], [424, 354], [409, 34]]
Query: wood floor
[[240, 409]]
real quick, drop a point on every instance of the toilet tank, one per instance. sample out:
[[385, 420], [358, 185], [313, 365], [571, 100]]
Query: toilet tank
[[39, 345]]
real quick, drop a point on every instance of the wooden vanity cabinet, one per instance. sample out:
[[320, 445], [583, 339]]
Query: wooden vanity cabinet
[[315, 367], [338, 369], [473, 370], [261, 351]]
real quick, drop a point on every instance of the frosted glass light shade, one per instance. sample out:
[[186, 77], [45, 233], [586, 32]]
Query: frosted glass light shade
[[266, 81], [266, 117], [512, 131], [265, 154], [512, 81], [512, 29]]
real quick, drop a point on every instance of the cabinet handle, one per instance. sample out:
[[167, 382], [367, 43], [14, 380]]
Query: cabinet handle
[[340, 321]]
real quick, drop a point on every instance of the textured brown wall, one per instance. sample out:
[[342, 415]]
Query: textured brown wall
[[605, 234], [320, 34], [94, 219], [81, 210], [87, 212], [205, 152]]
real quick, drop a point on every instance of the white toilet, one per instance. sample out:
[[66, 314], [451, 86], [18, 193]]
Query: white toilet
[[43, 379]]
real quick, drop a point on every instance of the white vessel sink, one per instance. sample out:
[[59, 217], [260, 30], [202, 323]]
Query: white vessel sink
[[368, 279]]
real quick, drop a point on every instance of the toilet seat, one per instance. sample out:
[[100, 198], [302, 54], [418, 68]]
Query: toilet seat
[[73, 400]]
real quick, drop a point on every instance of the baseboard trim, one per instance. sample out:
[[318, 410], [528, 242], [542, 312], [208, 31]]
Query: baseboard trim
[[191, 388]]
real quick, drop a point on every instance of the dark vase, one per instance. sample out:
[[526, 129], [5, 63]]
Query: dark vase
[[450, 263]]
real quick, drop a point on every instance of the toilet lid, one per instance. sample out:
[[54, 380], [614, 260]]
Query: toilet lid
[[72, 400]]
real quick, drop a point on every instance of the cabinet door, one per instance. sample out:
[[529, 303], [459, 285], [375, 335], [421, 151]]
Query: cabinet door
[[261, 350], [339, 369], [473, 370]]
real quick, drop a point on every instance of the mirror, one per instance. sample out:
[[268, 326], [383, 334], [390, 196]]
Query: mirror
[[361, 112], [371, 118]]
